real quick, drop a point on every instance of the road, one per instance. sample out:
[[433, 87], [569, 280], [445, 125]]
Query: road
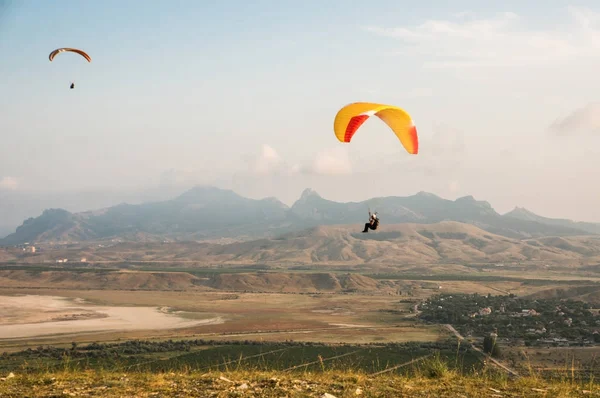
[[460, 337], [496, 362]]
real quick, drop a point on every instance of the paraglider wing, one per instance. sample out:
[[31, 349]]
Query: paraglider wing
[[74, 50], [349, 119]]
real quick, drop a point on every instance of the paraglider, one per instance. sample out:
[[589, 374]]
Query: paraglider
[[351, 117], [373, 222], [66, 49]]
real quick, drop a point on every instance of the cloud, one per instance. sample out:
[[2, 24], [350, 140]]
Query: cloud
[[585, 120], [9, 183], [268, 161], [335, 161], [503, 40], [331, 162], [440, 154]]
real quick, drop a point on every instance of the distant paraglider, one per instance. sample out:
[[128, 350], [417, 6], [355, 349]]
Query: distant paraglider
[[351, 117], [74, 50], [65, 49]]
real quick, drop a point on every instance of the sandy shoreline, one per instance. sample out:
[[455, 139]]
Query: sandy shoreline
[[33, 316]]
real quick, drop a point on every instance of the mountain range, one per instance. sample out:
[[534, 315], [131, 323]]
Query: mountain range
[[207, 213]]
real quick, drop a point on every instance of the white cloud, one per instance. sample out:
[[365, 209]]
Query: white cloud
[[268, 161], [8, 183], [333, 161], [440, 154], [584, 120], [500, 41]]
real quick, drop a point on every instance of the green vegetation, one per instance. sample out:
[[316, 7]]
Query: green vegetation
[[490, 346], [220, 355], [543, 321]]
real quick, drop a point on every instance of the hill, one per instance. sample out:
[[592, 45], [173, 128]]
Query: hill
[[524, 214], [292, 282], [276, 282], [205, 213], [445, 242], [112, 280], [442, 243]]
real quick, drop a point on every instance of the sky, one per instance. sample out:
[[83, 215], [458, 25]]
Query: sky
[[242, 95]]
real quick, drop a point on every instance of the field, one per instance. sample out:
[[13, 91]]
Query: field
[[351, 318], [267, 305], [262, 318], [553, 361], [202, 354]]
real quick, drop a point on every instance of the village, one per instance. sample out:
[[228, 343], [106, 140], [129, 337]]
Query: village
[[538, 322]]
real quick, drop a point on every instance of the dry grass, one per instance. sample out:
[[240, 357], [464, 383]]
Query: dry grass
[[431, 380], [331, 318], [265, 316], [555, 359]]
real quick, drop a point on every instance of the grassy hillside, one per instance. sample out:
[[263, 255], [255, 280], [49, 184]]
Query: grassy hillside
[[208, 368], [432, 381]]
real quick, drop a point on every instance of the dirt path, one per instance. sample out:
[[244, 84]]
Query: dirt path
[[495, 361]]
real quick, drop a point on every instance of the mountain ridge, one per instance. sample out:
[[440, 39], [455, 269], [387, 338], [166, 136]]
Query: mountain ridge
[[525, 214], [206, 212]]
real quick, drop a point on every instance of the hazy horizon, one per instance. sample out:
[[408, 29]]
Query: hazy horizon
[[243, 97]]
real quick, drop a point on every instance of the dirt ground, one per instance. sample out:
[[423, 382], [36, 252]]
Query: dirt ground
[[27, 316], [351, 318], [30, 316]]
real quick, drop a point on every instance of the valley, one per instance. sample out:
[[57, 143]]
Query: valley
[[327, 285]]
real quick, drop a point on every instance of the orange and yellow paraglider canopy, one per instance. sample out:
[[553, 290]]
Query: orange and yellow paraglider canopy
[[66, 49], [351, 117]]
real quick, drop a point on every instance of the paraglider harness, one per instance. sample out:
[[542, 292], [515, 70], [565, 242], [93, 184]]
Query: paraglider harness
[[373, 222]]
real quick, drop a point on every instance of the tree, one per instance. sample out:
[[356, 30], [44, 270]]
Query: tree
[[490, 346]]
